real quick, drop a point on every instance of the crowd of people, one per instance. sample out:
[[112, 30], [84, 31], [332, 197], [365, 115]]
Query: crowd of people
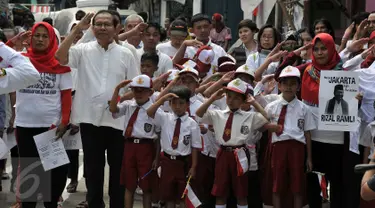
[[239, 125]]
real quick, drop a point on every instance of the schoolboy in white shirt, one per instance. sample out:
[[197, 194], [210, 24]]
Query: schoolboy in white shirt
[[288, 145], [180, 138], [232, 128], [141, 152]]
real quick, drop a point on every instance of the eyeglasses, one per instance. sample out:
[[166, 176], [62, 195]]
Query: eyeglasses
[[105, 25]]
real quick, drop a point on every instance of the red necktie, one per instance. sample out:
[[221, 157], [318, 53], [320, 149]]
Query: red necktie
[[228, 128], [176, 133], [281, 120], [133, 118]]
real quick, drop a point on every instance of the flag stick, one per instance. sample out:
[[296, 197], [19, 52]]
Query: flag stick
[[187, 183]]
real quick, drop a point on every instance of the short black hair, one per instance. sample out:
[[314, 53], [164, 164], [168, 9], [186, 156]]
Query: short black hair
[[144, 15], [49, 20], [328, 25], [3, 38], [114, 20], [112, 7], [115, 13], [182, 92], [249, 24], [359, 17], [200, 17], [154, 25], [153, 56], [163, 35], [276, 34], [80, 14]]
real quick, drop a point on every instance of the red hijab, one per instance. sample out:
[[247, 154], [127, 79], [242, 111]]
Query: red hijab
[[46, 62], [333, 56], [311, 76]]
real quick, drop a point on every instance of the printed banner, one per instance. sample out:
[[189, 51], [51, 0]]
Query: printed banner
[[338, 107]]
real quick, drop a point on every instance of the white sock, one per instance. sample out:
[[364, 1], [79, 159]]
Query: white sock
[[221, 206], [239, 206]]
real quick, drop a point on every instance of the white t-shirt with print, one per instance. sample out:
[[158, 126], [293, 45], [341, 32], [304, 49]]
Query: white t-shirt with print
[[39, 105]]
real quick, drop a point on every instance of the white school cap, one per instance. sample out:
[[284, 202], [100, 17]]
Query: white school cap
[[173, 74], [191, 72], [238, 86], [143, 81], [290, 71], [245, 69]]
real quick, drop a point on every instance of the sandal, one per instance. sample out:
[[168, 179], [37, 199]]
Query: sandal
[[83, 204], [72, 187]]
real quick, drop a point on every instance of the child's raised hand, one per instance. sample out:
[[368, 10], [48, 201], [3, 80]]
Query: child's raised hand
[[169, 96], [268, 78], [218, 94], [228, 77], [123, 84]]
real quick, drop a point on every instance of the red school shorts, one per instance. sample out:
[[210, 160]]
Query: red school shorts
[[173, 179], [136, 162], [288, 166], [226, 176]]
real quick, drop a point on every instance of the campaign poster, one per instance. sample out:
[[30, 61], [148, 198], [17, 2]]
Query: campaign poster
[[338, 106]]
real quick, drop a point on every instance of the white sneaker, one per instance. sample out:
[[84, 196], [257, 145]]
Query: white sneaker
[[139, 191]]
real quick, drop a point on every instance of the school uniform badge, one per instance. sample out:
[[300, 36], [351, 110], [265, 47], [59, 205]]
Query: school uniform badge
[[245, 130], [301, 123], [147, 127], [187, 140]]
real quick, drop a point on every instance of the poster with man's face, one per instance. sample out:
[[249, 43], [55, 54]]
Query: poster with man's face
[[338, 106]]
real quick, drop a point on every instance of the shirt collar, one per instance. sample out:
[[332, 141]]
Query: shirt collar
[[239, 111], [183, 118], [110, 46], [291, 103], [144, 106]]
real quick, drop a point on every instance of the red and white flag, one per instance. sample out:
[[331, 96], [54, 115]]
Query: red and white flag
[[41, 9], [191, 200]]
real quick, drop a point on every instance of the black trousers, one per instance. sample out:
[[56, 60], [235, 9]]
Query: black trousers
[[33, 178], [96, 141], [344, 184], [74, 164], [15, 161]]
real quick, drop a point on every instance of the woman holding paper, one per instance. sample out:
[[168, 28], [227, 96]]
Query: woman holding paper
[[330, 149], [41, 107]]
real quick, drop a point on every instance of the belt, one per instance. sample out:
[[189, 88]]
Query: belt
[[172, 157], [230, 148], [138, 141]]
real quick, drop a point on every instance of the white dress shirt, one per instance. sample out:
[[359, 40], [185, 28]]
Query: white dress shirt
[[17, 71], [244, 124], [99, 71], [189, 133], [298, 119], [144, 125]]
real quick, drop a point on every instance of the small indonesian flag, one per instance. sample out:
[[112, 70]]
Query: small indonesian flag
[[323, 186], [255, 12], [191, 200], [242, 161]]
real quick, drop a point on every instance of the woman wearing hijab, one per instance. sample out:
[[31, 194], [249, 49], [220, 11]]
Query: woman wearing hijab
[[41, 107], [330, 149]]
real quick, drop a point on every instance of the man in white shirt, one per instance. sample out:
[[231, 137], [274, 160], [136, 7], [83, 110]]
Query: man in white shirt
[[201, 27], [150, 38], [101, 65], [131, 22], [16, 71]]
